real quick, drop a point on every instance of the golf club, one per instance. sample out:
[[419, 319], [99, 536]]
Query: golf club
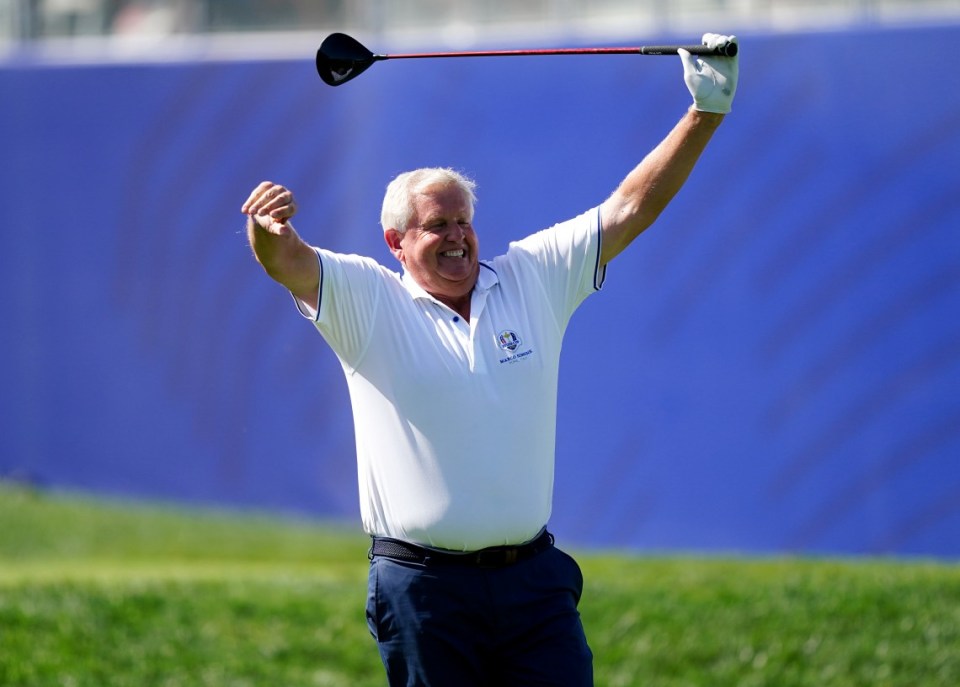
[[342, 58]]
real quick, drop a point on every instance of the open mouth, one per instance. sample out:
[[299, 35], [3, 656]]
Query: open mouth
[[459, 253]]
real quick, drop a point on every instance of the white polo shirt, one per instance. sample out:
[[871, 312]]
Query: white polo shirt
[[455, 421]]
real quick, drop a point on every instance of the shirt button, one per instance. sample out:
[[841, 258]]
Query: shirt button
[[456, 318]]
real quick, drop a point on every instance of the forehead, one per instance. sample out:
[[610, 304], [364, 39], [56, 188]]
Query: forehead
[[440, 200]]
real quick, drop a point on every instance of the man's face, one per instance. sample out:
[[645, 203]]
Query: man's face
[[439, 249]]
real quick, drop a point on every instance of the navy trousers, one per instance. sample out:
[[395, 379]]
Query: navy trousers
[[464, 626]]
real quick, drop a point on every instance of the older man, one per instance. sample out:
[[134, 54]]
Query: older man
[[452, 369]]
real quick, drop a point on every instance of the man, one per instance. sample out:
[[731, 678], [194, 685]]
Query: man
[[452, 370]]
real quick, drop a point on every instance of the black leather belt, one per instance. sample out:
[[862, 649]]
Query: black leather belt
[[492, 557]]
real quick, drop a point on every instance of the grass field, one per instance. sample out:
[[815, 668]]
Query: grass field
[[104, 594]]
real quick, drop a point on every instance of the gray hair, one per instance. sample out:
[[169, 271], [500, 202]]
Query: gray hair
[[397, 201]]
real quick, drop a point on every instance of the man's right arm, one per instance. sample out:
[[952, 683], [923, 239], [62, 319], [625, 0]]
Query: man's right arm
[[277, 246]]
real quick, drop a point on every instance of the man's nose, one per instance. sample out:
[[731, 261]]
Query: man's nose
[[455, 231]]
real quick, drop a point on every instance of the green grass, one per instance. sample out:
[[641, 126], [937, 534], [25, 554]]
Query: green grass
[[103, 594]]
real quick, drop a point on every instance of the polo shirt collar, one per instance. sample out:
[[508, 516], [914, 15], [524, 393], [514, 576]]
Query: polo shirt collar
[[486, 280]]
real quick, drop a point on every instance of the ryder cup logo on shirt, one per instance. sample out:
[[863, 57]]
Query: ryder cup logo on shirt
[[509, 342]]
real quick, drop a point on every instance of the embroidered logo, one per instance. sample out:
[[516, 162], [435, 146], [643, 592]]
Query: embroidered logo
[[509, 341]]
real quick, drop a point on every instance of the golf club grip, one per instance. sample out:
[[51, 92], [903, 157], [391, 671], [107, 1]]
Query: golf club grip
[[725, 50]]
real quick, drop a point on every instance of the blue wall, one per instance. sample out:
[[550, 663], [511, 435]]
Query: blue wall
[[775, 367]]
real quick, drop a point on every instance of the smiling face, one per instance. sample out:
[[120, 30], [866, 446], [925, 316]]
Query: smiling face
[[440, 249]]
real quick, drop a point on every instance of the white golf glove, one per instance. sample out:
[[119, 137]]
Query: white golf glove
[[712, 81]]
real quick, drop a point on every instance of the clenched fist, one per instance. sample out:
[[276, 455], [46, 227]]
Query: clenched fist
[[270, 205]]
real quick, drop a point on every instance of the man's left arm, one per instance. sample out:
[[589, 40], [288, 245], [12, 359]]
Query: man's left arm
[[651, 185]]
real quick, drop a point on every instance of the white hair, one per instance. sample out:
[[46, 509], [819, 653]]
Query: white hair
[[398, 199]]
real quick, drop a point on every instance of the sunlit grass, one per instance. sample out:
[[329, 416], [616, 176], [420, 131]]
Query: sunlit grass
[[102, 593]]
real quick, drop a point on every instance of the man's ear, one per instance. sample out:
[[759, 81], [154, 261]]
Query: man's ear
[[392, 237]]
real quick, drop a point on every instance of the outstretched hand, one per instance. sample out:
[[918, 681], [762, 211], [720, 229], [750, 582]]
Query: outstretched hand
[[270, 206], [712, 81]]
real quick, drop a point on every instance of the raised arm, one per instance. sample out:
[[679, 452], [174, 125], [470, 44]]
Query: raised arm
[[275, 243], [651, 185]]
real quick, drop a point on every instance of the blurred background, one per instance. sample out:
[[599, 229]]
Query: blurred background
[[774, 367], [37, 19]]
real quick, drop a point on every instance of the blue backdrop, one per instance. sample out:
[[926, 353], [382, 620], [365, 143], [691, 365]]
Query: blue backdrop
[[774, 367]]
